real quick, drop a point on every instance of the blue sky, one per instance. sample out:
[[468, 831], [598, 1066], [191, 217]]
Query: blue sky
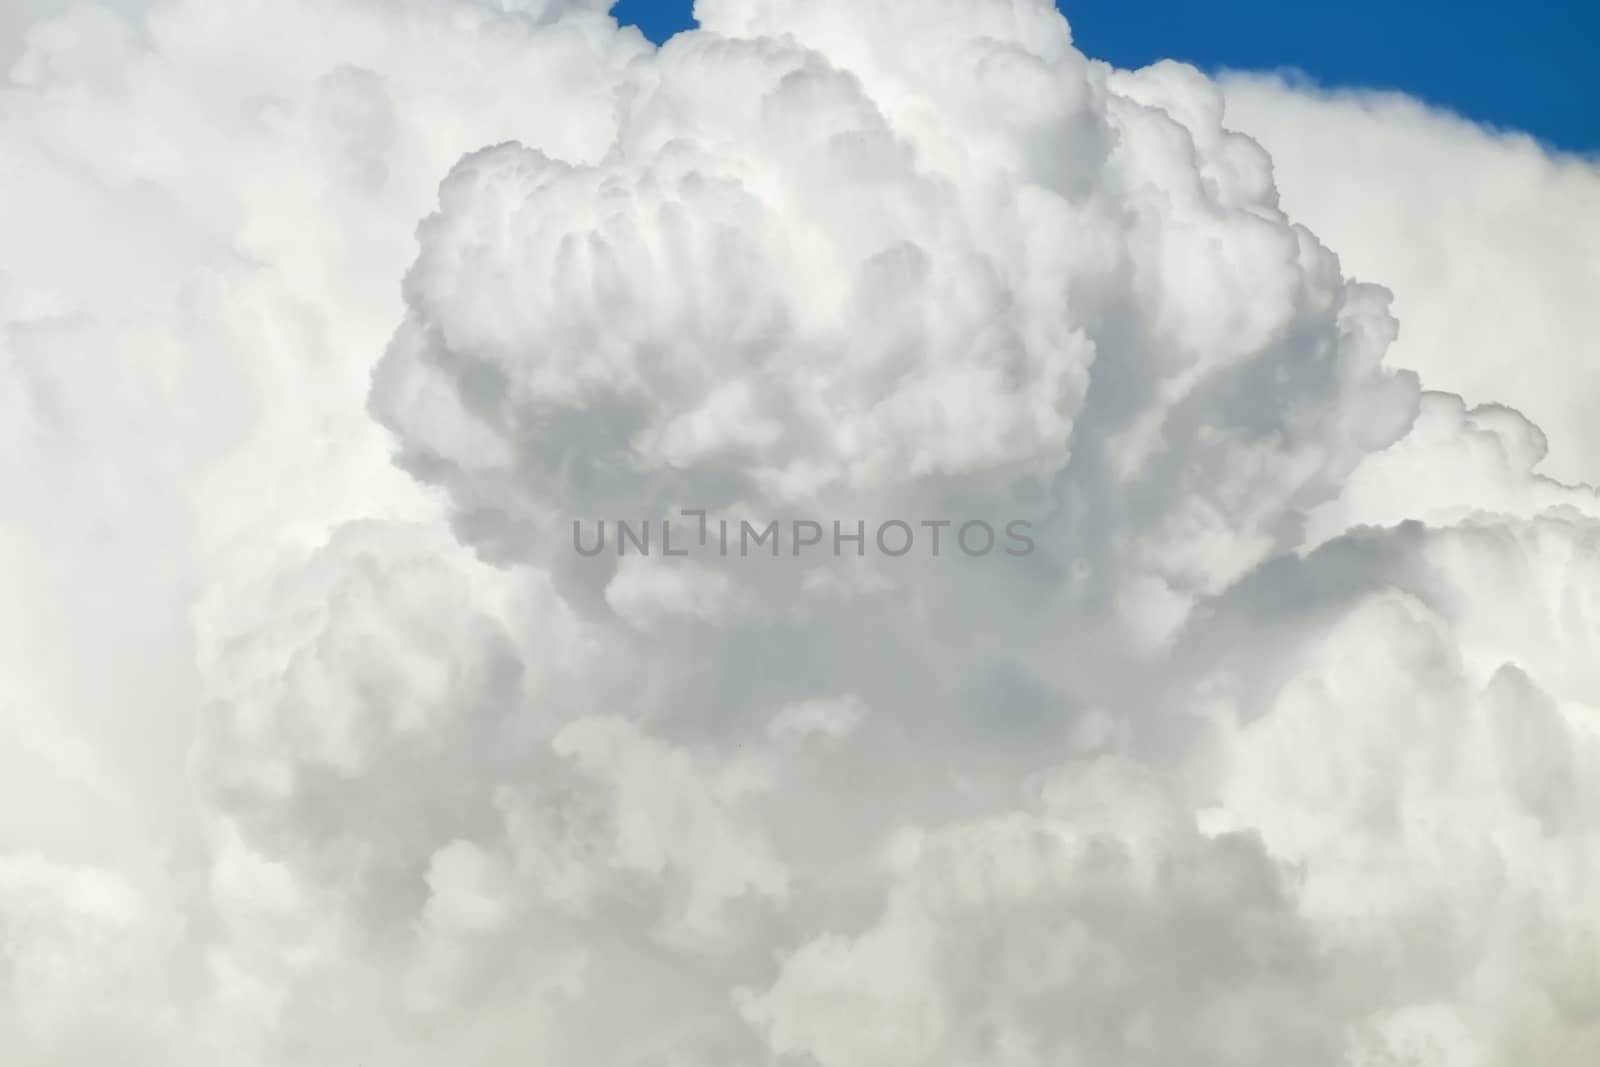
[[1528, 66]]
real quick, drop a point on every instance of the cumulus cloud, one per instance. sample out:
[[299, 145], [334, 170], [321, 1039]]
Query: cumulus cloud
[[326, 321], [1489, 241]]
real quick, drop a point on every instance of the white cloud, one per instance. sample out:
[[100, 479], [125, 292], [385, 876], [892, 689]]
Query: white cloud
[[1280, 749], [1490, 242]]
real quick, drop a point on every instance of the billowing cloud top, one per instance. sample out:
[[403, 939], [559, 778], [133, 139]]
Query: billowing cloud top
[[327, 743]]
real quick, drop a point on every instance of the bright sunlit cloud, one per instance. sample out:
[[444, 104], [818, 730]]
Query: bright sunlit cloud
[[323, 321]]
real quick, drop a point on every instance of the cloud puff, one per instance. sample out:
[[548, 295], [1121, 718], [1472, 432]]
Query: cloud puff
[[1489, 240], [795, 304], [1280, 746], [1099, 924]]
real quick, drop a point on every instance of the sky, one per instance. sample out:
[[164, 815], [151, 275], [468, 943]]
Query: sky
[[1525, 66]]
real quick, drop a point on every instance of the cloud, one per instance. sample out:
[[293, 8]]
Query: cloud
[[1102, 924], [1489, 240], [1279, 748]]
